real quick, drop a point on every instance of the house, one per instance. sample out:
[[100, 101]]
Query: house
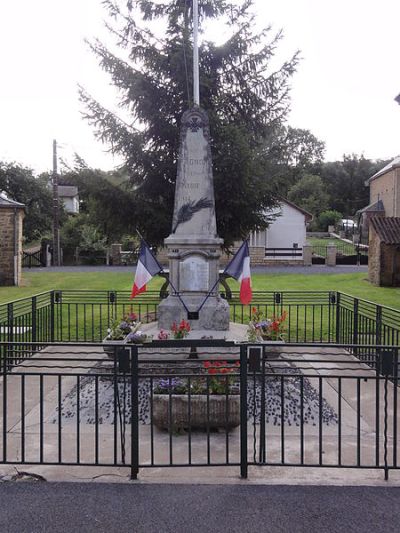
[[384, 186], [68, 194], [283, 240], [11, 220], [384, 196], [384, 251]]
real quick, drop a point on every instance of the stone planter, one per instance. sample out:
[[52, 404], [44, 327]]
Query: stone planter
[[218, 418], [109, 346]]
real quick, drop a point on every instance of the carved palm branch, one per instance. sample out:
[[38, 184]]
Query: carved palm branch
[[187, 211]]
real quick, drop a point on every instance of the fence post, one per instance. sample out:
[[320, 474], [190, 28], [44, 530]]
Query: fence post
[[355, 324], [388, 368], [338, 318], [134, 413], [10, 333], [378, 318], [52, 318], [34, 308], [243, 412]]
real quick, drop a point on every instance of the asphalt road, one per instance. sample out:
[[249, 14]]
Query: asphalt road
[[40, 507]]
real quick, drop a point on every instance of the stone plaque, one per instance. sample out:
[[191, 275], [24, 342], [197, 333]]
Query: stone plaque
[[194, 274]]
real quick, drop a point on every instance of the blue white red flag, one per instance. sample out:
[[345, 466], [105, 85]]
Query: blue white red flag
[[239, 268], [146, 268]]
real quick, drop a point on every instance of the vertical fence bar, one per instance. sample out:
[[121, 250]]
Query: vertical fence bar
[[262, 410], [385, 428], [5, 365], [243, 412], [395, 382], [338, 324], [378, 325], [22, 418], [355, 324], [134, 413], [34, 324], [78, 418], [52, 318]]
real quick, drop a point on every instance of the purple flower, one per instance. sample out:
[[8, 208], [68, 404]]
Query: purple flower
[[134, 337]]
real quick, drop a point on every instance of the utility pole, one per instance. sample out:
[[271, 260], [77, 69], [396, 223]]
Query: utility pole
[[56, 211], [196, 89]]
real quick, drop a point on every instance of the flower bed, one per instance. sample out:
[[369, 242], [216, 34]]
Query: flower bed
[[209, 401]]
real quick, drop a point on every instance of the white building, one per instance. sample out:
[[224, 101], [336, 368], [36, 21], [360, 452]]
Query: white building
[[68, 194], [284, 239]]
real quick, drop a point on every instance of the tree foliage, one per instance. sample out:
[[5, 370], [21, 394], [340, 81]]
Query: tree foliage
[[20, 184], [246, 100], [328, 218], [104, 200], [345, 182], [310, 194]]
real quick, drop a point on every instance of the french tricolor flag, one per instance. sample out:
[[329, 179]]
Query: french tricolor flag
[[146, 268], [239, 268]]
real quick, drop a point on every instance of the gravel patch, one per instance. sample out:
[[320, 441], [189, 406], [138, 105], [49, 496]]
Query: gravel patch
[[107, 405]]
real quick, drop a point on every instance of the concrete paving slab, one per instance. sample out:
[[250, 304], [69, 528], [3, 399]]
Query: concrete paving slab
[[41, 425]]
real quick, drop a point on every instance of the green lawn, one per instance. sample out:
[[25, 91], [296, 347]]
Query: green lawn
[[353, 284], [321, 243]]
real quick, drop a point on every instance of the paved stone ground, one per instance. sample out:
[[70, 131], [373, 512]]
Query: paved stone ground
[[105, 508], [317, 369]]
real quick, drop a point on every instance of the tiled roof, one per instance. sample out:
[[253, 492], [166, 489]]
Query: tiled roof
[[6, 202], [375, 207], [390, 166], [387, 228]]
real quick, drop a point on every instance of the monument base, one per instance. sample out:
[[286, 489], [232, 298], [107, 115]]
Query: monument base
[[214, 315]]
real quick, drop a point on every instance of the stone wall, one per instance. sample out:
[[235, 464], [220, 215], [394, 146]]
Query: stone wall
[[387, 189], [374, 257], [390, 265], [11, 221], [383, 262]]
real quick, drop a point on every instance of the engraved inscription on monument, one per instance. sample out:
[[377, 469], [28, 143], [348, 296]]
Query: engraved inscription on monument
[[194, 274]]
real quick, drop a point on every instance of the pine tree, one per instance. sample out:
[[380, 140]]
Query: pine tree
[[247, 102]]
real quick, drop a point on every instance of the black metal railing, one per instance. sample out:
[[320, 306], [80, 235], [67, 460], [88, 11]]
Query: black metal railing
[[311, 316], [200, 403]]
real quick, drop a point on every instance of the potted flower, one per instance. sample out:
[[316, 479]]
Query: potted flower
[[119, 330], [180, 331], [263, 329], [213, 396]]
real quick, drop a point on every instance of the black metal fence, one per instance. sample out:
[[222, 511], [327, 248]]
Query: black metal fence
[[237, 405], [84, 316], [346, 254]]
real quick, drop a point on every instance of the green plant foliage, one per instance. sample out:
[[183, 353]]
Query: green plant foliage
[[245, 97], [329, 218], [345, 182], [20, 184], [310, 194]]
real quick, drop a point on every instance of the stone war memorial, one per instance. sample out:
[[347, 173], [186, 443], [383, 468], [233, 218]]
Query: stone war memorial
[[193, 246], [107, 382]]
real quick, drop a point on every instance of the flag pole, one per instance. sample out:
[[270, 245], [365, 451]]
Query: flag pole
[[196, 88], [218, 280], [162, 270]]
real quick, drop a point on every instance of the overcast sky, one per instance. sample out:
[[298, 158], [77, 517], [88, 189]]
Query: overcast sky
[[343, 91]]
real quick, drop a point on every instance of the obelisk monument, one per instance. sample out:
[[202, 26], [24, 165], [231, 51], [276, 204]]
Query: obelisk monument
[[193, 246]]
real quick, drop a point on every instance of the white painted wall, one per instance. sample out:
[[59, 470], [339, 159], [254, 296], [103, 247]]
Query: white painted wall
[[287, 229], [71, 204]]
